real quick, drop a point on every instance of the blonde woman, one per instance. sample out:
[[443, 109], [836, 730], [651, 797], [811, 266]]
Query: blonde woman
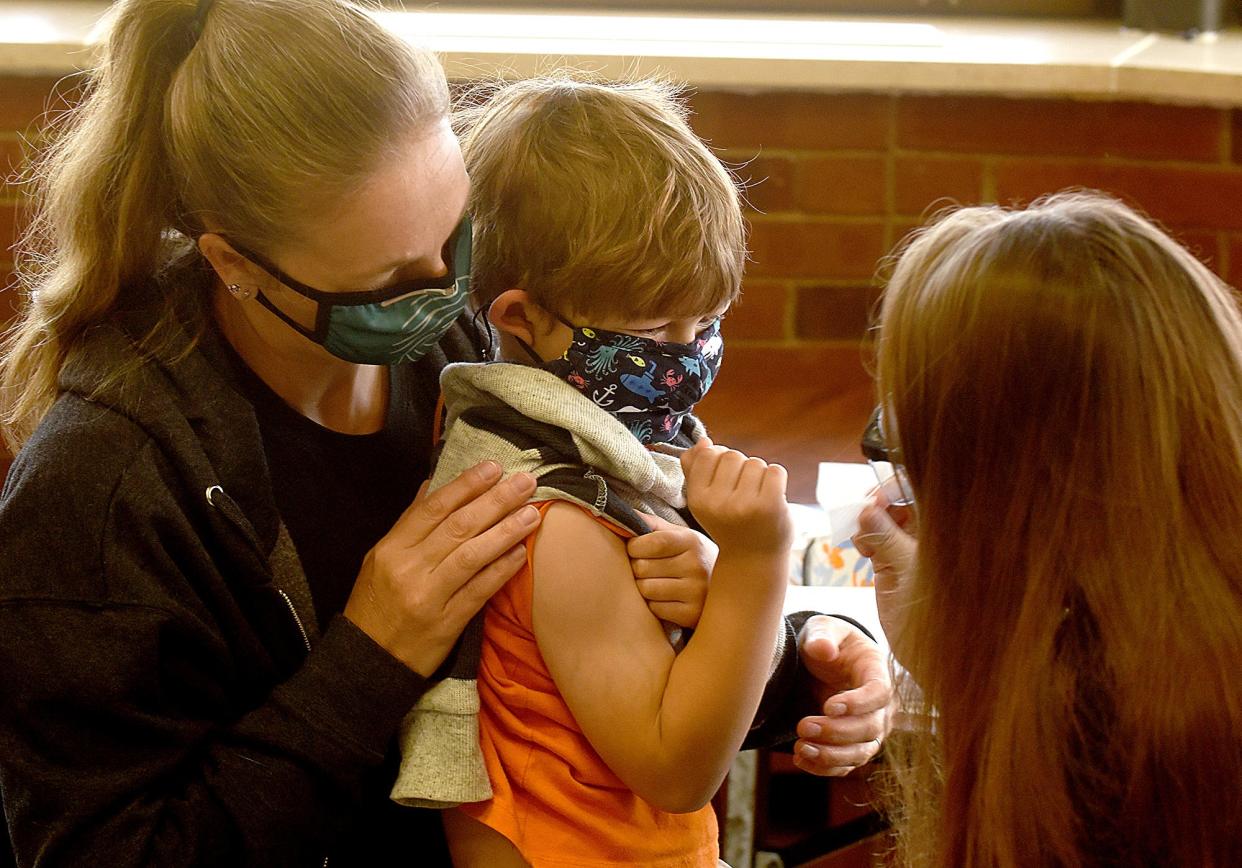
[[1063, 386], [220, 589]]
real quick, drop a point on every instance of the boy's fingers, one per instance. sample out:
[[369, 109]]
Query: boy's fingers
[[652, 545], [661, 543], [775, 481], [681, 614], [656, 524], [662, 590], [750, 475], [727, 470], [680, 566], [692, 455]]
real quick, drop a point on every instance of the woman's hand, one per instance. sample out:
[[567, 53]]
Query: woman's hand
[[892, 552], [672, 565], [446, 555], [852, 688]]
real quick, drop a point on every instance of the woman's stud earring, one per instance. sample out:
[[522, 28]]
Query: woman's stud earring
[[241, 293]]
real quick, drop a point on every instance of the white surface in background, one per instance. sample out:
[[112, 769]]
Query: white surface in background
[[843, 490], [1054, 57], [856, 603]]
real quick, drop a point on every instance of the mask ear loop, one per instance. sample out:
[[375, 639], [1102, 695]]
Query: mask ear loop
[[483, 327], [530, 351]]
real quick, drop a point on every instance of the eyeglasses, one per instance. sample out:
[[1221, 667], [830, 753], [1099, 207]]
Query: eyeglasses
[[889, 472]]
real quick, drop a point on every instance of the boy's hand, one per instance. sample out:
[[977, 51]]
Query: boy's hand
[[672, 565], [739, 501]]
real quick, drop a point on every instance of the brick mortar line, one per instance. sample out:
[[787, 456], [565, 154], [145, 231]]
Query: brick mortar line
[[988, 191], [890, 175], [769, 218], [798, 343], [895, 150], [813, 282], [1225, 140], [799, 153], [1223, 255], [1067, 159], [779, 217], [789, 313]]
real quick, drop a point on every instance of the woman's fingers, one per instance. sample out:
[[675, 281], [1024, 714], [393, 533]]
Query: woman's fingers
[[471, 596], [426, 512], [421, 584], [473, 555], [460, 510]]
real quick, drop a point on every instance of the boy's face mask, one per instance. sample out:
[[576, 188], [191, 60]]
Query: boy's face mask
[[647, 384], [386, 326]]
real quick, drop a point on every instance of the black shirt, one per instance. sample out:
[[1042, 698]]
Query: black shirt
[[360, 482]]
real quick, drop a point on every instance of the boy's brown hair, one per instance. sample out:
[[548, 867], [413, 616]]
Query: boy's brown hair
[[599, 200]]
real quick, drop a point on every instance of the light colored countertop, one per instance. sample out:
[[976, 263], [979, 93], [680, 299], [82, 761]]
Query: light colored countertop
[[856, 603], [1088, 59]]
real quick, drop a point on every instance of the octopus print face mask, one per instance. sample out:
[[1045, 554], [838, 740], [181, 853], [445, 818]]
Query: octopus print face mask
[[648, 385]]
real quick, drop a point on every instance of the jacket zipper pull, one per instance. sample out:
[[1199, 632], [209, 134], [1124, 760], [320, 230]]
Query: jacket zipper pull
[[218, 499]]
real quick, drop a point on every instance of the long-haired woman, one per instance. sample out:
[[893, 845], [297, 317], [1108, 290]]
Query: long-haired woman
[[1062, 386]]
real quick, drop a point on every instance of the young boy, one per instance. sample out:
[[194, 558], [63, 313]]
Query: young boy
[[609, 243]]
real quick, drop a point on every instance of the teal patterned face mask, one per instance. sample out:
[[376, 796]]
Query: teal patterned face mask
[[386, 326], [648, 385]]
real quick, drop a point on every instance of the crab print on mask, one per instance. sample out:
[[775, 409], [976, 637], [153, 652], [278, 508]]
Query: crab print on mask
[[649, 385]]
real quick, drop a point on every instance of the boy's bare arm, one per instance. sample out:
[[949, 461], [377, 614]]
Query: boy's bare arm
[[667, 725]]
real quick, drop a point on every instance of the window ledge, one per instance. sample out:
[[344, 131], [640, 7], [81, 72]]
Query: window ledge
[[1088, 59]]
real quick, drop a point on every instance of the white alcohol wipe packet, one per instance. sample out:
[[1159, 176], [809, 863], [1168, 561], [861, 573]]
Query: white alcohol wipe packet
[[843, 489]]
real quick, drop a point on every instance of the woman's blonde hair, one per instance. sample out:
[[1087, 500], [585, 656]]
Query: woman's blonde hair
[[599, 199], [243, 116], [1065, 384]]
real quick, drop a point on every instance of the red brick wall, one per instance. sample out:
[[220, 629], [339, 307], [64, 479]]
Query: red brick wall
[[837, 179]]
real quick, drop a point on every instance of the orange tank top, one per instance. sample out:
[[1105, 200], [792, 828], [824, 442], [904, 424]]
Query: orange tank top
[[554, 798]]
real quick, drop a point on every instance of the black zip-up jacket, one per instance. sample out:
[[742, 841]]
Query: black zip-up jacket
[[161, 701], [165, 698]]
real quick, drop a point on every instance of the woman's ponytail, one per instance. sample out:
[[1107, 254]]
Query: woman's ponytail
[[100, 194], [233, 115]]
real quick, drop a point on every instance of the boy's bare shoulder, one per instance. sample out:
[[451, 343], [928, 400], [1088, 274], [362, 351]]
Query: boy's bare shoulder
[[574, 551], [586, 604], [569, 523]]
